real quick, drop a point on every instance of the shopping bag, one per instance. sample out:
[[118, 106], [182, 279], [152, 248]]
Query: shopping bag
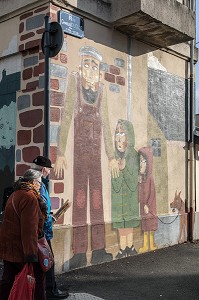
[[45, 255], [24, 284]]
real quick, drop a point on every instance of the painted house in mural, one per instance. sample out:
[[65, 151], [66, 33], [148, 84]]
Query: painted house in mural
[[120, 111]]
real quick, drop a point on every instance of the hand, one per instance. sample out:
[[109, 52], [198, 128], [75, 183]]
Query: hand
[[140, 179], [114, 168], [60, 164], [146, 209], [121, 163]]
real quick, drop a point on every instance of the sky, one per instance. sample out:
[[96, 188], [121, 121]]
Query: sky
[[197, 65]]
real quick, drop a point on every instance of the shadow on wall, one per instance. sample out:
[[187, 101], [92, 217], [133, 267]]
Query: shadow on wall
[[103, 35]]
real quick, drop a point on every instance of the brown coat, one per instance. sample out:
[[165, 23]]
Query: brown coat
[[19, 234]]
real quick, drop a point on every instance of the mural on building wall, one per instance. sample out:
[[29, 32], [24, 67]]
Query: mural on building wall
[[131, 226], [147, 199], [124, 195], [86, 97], [9, 84]]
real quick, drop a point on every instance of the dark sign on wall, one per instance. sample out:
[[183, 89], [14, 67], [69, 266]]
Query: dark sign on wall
[[71, 24]]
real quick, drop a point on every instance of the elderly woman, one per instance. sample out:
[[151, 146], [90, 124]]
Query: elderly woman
[[25, 213]]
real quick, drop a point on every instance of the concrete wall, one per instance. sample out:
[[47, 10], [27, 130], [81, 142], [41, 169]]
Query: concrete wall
[[8, 8]]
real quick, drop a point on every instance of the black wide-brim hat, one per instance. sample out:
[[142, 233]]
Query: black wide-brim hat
[[42, 161]]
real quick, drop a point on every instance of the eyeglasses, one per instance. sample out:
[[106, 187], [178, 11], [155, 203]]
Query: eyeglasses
[[39, 182]]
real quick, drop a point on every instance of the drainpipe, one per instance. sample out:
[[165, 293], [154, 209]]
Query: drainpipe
[[191, 141], [47, 89], [129, 76], [191, 146]]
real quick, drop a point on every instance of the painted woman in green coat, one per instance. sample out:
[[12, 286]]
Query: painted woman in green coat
[[125, 206]]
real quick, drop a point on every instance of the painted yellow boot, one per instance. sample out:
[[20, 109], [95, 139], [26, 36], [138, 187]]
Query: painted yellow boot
[[145, 245], [152, 243]]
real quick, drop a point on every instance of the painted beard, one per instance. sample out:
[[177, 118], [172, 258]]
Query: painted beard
[[89, 95]]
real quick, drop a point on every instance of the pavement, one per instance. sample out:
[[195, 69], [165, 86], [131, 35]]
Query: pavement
[[170, 273]]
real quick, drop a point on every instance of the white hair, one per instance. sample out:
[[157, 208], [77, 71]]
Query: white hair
[[32, 174], [37, 167]]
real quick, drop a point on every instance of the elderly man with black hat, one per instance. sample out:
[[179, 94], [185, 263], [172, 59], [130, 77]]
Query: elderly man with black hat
[[43, 164]]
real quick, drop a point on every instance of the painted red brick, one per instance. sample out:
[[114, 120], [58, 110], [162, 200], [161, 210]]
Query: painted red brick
[[55, 202], [109, 77], [41, 55], [39, 69], [40, 31], [53, 154], [21, 27], [32, 85], [33, 50], [29, 153], [24, 53], [38, 99], [33, 44], [54, 114], [26, 36], [27, 74], [120, 80], [25, 16], [31, 118], [21, 169], [58, 187], [38, 134], [23, 137], [63, 58], [40, 9], [54, 84], [21, 47], [53, 177], [57, 99], [114, 70]]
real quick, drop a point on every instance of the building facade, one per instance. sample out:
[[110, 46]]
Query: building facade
[[121, 121]]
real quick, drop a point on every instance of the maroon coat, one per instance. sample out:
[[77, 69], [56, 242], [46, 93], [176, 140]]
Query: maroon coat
[[147, 194], [19, 234]]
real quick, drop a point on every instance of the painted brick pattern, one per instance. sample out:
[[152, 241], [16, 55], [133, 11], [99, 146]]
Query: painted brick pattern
[[38, 134], [59, 188], [30, 101], [24, 137], [58, 77], [113, 74]]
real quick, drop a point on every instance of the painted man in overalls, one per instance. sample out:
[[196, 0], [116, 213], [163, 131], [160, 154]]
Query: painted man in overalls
[[86, 97]]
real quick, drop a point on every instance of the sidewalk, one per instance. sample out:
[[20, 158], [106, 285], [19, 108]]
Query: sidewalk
[[171, 273]]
